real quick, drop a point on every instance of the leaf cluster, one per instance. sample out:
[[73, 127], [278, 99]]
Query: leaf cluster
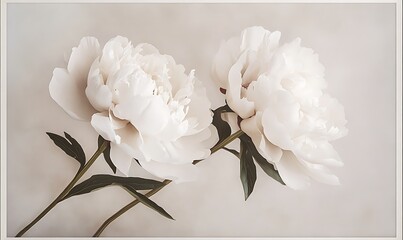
[[132, 184], [247, 155]]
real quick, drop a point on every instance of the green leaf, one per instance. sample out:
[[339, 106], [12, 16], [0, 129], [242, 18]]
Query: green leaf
[[267, 167], [223, 128], [107, 153], [248, 170], [102, 180], [72, 148], [148, 202], [78, 149]]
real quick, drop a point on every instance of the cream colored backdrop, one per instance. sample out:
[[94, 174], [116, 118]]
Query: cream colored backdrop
[[355, 42]]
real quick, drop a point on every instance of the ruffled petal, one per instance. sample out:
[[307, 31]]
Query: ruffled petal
[[194, 147], [183, 150], [148, 114], [261, 90], [99, 95], [239, 104], [130, 81], [335, 118], [319, 152], [292, 172], [131, 142], [176, 172], [253, 37], [281, 119], [146, 49], [254, 130], [224, 59], [114, 51], [276, 132], [199, 109], [81, 59], [67, 93], [116, 122]]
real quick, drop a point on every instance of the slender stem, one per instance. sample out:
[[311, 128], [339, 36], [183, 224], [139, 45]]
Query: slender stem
[[127, 207], [164, 183], [67, 189], [226, 141]]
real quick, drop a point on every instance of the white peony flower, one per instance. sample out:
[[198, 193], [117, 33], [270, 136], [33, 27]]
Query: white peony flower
[[141, 101], [277, 91]]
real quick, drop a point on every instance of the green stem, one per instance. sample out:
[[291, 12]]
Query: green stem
[[164, 183], [226, 141], [99, 151]]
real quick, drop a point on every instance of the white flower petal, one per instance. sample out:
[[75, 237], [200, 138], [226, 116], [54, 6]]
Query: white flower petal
[[174, 130], [224, 59], [67, 93], [183, 150], [176, 172], [81, 59], [239, 104], [199, 109], [154, 148], [182, 85], [120, 158], [261, 90], [253, 128], [319, 152], [280, 119], [250, 71], [155, 66], [335, 117], [194, 147], [148, 114], [292, 172], [272, 42], [102, 124], [146, 49], [253, 37], [116, 122], [130, 81], [276, 132], [99, 95], [115, 50], [131, 141]]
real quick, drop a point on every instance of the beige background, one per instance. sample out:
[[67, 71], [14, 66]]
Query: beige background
[[355, 42]]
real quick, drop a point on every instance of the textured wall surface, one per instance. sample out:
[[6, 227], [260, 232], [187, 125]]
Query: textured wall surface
[[356, 44]]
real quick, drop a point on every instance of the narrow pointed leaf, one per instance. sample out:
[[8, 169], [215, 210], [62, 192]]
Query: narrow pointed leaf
[[148, 202], [78, 149], [223, 128], [96, 182], [267, 167], [67, 147], [247, 170], [107, 153]]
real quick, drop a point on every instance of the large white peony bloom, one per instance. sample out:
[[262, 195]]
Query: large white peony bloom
[[141, 101], [277, 91]]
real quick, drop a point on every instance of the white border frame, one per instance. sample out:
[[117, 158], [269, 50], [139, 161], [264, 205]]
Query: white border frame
[[398, 32]]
